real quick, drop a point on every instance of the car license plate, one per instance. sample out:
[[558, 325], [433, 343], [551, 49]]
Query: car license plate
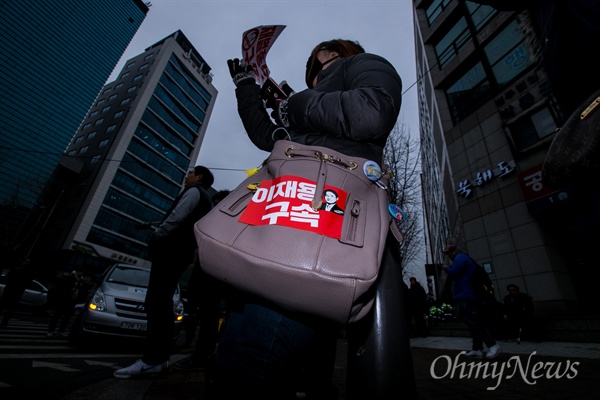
[[131, 325]]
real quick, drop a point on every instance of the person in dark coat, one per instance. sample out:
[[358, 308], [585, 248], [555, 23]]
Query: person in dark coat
[[205, 302], [62, 299], [17, 280], [418, 306], [351, 105], [518, 314], [172, 248], [469, 307]]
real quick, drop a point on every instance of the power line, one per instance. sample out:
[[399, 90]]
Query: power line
[[108, 159]]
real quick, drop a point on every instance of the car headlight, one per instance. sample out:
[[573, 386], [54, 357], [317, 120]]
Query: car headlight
[[178, 309], [98, 301]]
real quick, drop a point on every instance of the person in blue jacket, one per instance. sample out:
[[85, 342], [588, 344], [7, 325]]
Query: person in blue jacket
[[469, 308]]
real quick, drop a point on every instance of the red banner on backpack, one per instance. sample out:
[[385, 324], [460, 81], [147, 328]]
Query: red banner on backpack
[[287, 201]]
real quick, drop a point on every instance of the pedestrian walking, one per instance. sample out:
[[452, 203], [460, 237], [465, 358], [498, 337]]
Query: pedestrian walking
[[469, 306], [62, 298], [518, 315], [17, 280]]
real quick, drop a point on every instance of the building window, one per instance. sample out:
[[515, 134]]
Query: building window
[[111, 128], [119, 85], [143, 67], [468, 93], [530, 129], [72, 152], [125, 101], [131, 64], [105, 109], [436, 8], [103, 143], [94, 113], [506, 57], [78, 139], [447, 48], [138, 77], [107, 90], [84, 149], [125, 75], [91, 135], [99, 121], [100, 102], [95, 159], [114, 96], [86, 126], [480, 14], [149, 56], [132, 89], [118, 114], [507, 54]]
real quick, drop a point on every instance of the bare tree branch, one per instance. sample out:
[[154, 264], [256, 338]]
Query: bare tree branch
[[401, 156]]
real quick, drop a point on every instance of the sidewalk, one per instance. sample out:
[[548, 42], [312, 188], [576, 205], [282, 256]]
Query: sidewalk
[[547, 370]]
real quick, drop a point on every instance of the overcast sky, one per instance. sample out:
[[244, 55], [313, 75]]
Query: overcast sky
[[215, 29]]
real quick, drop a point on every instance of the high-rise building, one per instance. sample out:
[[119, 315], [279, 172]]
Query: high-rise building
[[487, 117], [54, 58], [132, 153]]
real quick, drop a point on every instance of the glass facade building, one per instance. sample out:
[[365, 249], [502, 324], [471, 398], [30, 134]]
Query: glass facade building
[[487, 117], [54, 58], [133, 151]]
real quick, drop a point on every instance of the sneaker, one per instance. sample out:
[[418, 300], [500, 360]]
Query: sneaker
[[474, 354], [189, 364], [493, 351], [141, 368]]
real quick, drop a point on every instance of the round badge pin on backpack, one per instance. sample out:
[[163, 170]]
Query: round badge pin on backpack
[[396, 212], [373, 172]]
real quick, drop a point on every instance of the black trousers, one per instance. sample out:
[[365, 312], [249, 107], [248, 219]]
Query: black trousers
[[167, 267]]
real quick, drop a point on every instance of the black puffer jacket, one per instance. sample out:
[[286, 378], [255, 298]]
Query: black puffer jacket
[[352, 109]]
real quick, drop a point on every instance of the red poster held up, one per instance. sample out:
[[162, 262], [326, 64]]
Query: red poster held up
[[256, 43]]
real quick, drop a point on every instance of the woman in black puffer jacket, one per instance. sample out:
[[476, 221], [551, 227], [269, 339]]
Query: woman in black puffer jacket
[[351, 105]]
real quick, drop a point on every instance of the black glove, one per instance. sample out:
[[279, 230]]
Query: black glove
[[279, 107], [240, 72]]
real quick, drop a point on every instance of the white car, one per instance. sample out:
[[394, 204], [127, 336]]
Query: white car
[[35, 296], [116, 306]]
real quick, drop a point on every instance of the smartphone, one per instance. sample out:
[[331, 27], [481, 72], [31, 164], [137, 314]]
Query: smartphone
[[271, 92]]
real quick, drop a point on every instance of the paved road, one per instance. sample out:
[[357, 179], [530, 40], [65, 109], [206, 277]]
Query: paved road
[[552, 370]]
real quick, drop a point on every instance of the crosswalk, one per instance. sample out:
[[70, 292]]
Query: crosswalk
[[26, 351], [25, 337]]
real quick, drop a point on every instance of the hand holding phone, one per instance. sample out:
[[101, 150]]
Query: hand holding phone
[[271, 93]]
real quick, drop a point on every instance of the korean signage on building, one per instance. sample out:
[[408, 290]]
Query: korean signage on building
[[466, 187], [538, 196]]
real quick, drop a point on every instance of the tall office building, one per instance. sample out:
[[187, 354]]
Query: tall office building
[[54, 58], [132, 153], [487, 116]]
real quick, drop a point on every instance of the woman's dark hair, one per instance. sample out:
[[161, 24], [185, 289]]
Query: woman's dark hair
[[345, 48]]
